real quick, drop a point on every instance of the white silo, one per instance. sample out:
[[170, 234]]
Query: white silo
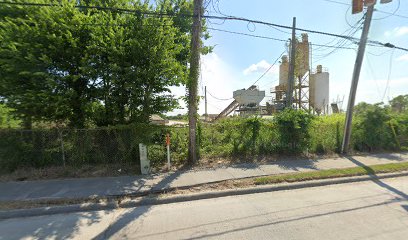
[[319, 90]]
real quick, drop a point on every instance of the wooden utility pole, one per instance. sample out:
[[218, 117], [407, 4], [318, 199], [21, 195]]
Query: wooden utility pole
[[291, 75], [193, 82], [356, 76], [205, 99]]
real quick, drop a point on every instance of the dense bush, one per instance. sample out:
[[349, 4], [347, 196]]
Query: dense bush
[[375, 128], [293, 129], [41, 148], [326, 133], [239, 137], [378, 128]]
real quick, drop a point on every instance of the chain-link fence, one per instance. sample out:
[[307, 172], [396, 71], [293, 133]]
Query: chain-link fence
[[79, 147]]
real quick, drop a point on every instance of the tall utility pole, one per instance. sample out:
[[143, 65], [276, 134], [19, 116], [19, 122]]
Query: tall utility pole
[[193, 82], [205, 99], [356, 76], [291, 75]]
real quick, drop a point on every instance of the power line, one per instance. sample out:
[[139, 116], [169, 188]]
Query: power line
[[268, 83], [162, 14], [257, 80], [272, 38], [221, 99], [380, 54], [273, 64], [342, 42], [230, 18], [349, 32], [387, 86], [247, 34], [389, 13], [370, 68]]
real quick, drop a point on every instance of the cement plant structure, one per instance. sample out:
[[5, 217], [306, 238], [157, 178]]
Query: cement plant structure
[[310, 88]]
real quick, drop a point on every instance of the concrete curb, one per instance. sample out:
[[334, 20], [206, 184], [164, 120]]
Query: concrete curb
[[190, 197], [33, 212], [258, 189]]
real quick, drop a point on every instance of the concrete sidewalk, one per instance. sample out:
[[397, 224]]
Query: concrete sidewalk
[[82, 188]]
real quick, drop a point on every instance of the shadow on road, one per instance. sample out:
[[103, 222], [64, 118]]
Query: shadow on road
[[215, 235], [49, 227], [66, 226], [135, 213], [217, 223]]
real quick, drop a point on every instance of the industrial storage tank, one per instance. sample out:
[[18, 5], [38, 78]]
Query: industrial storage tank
[[319, 90], [302, 62], [302, 56], [249, 97], [284, 72]]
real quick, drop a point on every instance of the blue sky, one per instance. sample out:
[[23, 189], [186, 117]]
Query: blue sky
[[237, 61]]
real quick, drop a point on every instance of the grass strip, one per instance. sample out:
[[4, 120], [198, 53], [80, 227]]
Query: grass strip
[[333, 173]]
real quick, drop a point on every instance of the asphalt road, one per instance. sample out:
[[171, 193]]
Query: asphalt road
[[366, 210]]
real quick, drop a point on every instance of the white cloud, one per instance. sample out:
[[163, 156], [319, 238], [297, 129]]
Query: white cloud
[[220, 80], [261, 67], [397, 32], [403, 58]]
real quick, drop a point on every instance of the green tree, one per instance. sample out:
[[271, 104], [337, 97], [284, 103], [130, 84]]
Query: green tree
[[6, 118], [44, 64], [70, 64], [293, 127], [371, 130], [400, 103]]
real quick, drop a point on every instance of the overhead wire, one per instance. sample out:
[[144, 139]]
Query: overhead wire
[[256, 81], [230, 18], [391, 14], [272, 38], [341, 43], [348, 31], [377, 10], [220, 99], [380, 54], [387, 85], [267, 70], [371, 71]]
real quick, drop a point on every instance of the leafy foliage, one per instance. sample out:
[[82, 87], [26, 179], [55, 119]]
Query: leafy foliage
[[6, 118], [326, 133], [89, 66], [371, 130], [230, 137], [400, 103], [293, 127]]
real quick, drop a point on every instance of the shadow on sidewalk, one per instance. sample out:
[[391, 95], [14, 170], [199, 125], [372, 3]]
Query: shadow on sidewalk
[[295, 165], [377, 181], [390, 156]]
